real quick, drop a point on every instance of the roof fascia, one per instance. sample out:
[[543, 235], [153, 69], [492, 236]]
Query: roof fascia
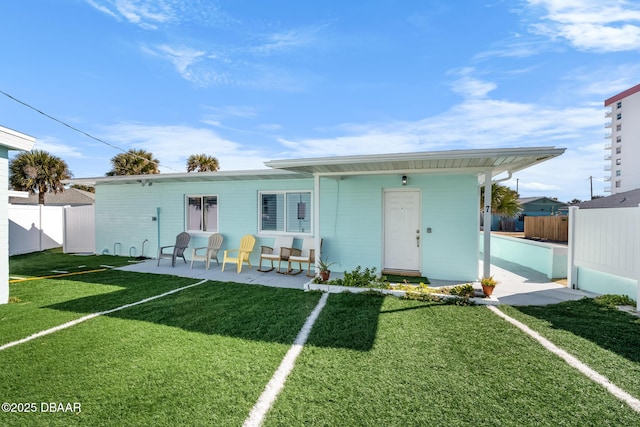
[[193, 176], [15, 140], [429, 155], [622, 95]]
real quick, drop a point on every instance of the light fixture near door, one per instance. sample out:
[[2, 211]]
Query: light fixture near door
[[404, 179]]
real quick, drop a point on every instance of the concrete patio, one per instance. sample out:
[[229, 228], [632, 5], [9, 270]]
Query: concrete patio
[[518, 285]]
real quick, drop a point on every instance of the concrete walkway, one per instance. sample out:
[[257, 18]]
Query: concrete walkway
[[518, 285]]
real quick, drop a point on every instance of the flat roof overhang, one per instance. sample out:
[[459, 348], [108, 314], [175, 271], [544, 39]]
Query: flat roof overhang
[[468, 162], [245, 175]]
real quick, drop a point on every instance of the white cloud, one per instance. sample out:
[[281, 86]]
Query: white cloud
[[102, 8], [182, 58], [147, 14], [154, 14], [194, 65], [481, 122], [513, 49], [286, 40], [475, 123], [172, 145], [54, 146], [270, 127], [470, 86], [241, 111], [590, 25]]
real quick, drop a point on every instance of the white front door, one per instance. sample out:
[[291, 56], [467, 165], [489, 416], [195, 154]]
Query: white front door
[[402, 238]]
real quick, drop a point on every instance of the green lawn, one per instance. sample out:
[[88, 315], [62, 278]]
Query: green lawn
[[203, 356]]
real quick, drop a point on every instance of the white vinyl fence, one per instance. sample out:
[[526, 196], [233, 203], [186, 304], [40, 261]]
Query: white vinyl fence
[[79, 229], [36, 228], [604, 250]]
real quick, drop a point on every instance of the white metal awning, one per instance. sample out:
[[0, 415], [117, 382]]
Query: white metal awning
[[475, 162]]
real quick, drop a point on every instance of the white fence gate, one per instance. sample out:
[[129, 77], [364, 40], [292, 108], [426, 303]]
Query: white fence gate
[[36, 228], [607, 241], [79, 229]]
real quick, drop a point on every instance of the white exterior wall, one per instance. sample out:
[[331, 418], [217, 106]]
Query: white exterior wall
[[351, 218], [9, 139], [629, 146], [4, 226]]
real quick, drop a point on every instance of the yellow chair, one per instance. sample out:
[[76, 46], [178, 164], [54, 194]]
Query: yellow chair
[[244, 251]]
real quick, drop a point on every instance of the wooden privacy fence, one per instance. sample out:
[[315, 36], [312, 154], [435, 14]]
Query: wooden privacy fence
[[554, 228]]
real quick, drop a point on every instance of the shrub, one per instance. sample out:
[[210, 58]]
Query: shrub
[[361, 278], [430, 297], [614, 300], [465, 291]]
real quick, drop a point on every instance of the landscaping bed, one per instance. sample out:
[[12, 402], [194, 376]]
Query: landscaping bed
[[365, 280]]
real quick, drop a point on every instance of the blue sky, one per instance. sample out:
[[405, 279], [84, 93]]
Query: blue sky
[[249, 81]]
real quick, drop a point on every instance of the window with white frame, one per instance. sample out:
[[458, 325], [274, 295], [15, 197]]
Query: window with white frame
[[285, 212], [202, 213]]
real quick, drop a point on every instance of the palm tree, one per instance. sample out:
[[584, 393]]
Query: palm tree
[[202, 163], [134, 162], [38, 172], [504, 201]]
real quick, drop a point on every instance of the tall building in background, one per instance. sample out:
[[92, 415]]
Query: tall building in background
[[623, 142]]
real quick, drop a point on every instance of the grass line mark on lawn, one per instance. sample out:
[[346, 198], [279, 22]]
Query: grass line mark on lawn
[[94, 315], [275, 385], [598, 378], [57, 275]]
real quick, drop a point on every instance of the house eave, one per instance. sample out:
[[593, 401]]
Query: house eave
[[473, 162], [242, 175], [15, 140]]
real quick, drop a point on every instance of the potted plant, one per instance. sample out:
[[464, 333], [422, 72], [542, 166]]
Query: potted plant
[[488, 283], [323, 266]]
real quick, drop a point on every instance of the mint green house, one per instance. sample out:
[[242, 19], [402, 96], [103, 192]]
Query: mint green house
[[415, 213]]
